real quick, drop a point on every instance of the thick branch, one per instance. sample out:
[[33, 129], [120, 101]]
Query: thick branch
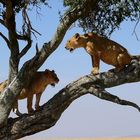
[[32, 65], [52, 110], [14, 48], [68, 19], [103, 94]]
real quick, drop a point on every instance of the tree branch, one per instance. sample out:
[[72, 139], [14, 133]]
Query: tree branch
[[5, 39], [103, 94], [26, 48], [51, 111], [31, 66], [2, 22], [134, 30], [22, 37], [10, 23], [68, 19]]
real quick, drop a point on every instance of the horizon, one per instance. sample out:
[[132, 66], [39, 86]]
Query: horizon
[[87, 116]]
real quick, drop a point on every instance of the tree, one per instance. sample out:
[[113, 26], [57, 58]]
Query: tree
[[102, 17]]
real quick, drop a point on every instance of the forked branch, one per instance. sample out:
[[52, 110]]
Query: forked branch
[[103, 94], [51, 111], [26, 48]]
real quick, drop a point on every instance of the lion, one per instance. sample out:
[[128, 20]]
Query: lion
[[100, 48], [37, 86]]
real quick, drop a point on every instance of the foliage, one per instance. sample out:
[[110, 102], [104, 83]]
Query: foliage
[[102, 16], [72, 3], [108, 15], [19, 4]]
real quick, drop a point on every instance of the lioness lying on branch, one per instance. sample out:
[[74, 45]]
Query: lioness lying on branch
[[100, 48], [37, 85]]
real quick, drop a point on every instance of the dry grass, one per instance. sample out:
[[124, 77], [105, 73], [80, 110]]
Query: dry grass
[[99, 139], [88, 139]]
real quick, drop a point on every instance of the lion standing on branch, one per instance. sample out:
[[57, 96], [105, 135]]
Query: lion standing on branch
[[100, 48]]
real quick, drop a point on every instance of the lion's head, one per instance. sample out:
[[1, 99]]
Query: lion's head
[[76, 41], [51, 77]]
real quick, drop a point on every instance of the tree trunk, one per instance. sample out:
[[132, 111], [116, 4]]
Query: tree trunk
[[14, 46], [31, 66], [51, 111]]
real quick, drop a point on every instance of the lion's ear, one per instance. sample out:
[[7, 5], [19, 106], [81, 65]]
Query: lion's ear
[[86, 36], [77, 35], [46, 70], [53, 71]]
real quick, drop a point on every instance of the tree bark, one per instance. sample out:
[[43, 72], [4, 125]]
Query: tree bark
[[10, 23], [7, 97], [51, 111]]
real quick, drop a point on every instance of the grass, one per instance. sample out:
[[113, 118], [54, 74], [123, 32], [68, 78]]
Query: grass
[[131, 138]]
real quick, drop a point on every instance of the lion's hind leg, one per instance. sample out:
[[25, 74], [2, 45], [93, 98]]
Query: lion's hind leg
[[122, 61]]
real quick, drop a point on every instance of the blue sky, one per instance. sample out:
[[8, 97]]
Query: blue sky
[[88, 116]]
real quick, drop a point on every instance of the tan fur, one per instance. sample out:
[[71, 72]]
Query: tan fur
[[37, 85], [100, 48], [3, 85]]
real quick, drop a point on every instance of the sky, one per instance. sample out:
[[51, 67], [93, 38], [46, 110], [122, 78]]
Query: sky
[[87, 116]]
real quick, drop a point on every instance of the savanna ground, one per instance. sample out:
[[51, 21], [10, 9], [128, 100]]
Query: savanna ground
[[131, 138]]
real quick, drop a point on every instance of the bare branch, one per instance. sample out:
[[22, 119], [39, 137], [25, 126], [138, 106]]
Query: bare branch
[[10, 23], [37, 50], [134, 31], [22, 37], [5, 39], [68, 19], [109, 79], [25, 50], [2, 22], [51, 111], [27, 25], [33, 30], [103, 94]]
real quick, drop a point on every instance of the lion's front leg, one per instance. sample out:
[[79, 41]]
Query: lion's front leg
[[15, 108], [29, 103], [95, 64], [38, 96]]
